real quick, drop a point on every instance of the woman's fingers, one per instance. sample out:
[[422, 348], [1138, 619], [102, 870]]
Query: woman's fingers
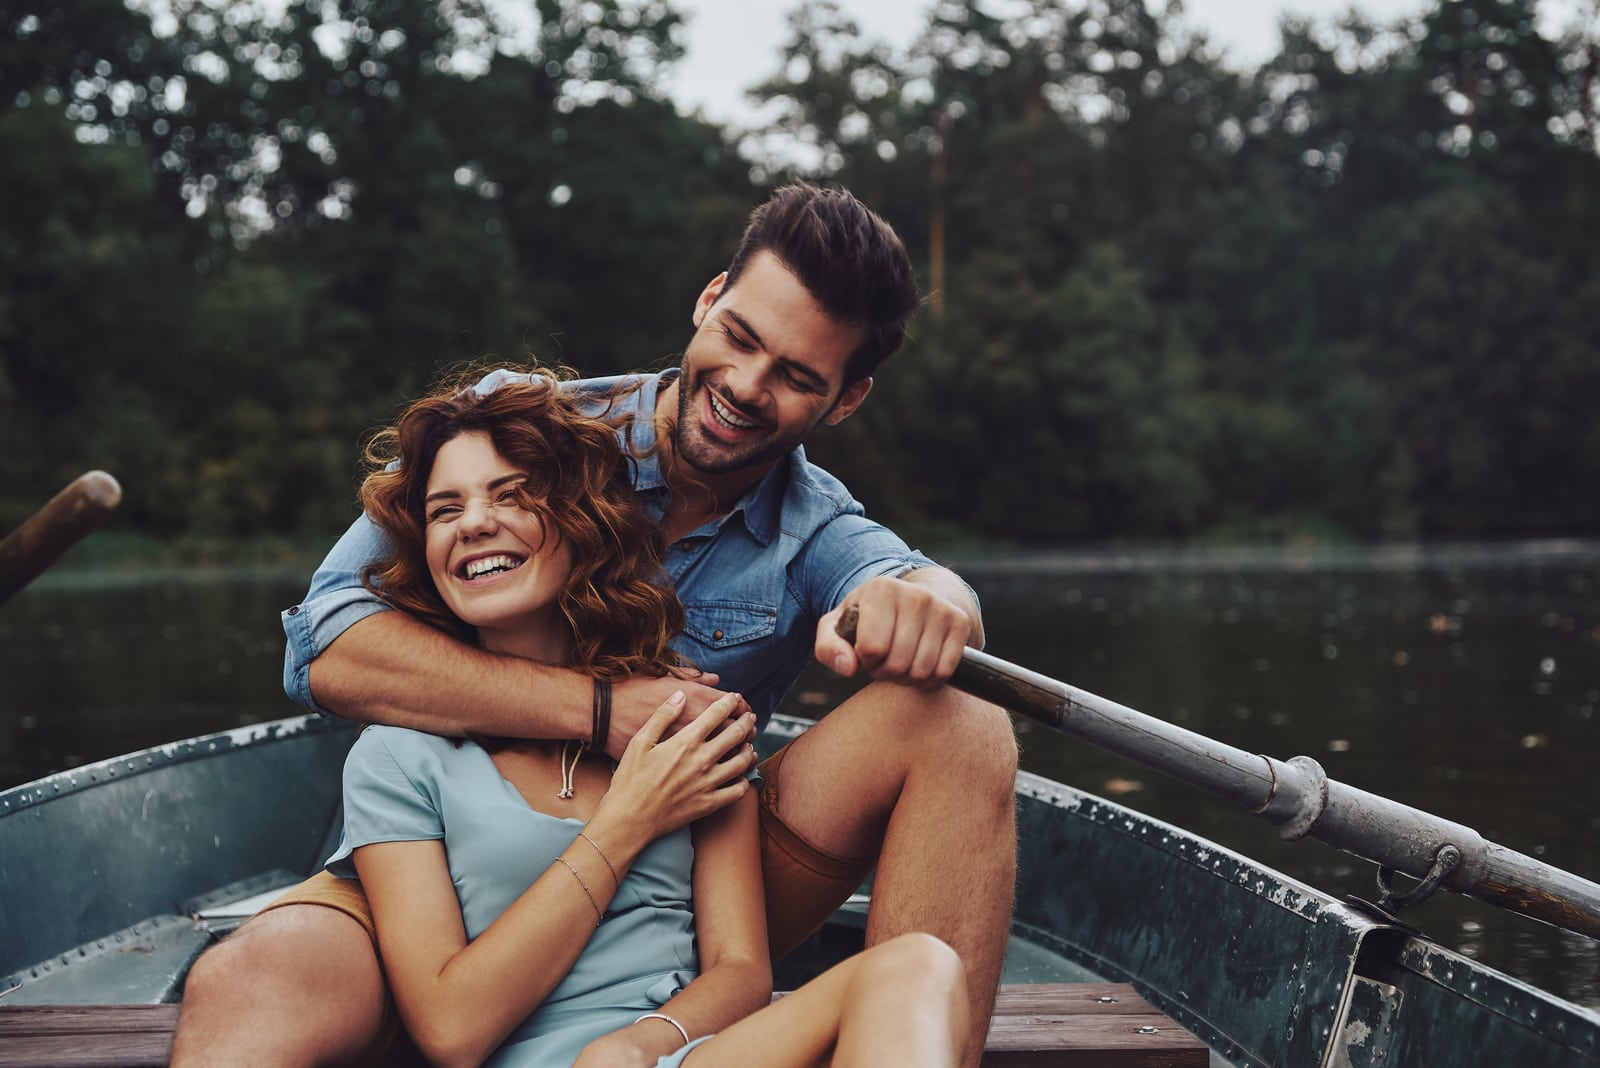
[[660, 720]]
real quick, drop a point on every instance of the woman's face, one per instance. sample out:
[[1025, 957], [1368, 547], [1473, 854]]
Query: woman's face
[[490, 559]]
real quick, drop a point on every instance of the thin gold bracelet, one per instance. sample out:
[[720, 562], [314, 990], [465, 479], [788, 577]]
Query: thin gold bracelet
[[615, 878], [586, 891]]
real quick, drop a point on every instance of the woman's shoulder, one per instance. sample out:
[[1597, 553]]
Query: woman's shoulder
[[412, 750]]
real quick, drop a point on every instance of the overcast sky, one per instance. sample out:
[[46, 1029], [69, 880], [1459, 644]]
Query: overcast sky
[[733, 44]]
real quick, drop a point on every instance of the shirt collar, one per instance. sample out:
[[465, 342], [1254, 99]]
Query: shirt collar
[[761, 507]]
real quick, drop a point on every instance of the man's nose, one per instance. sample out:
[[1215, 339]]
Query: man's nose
[[746, 381]]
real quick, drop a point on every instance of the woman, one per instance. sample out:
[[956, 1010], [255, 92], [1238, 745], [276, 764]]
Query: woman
[[533, 904]]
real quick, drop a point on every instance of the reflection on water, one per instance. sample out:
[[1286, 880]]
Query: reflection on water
[[1464, 681]]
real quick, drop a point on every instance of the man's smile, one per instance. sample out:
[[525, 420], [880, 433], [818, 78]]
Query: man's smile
[[725, 414]]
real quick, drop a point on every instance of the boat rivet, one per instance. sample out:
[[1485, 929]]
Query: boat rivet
[[1148, 1030], [1107, 1001]]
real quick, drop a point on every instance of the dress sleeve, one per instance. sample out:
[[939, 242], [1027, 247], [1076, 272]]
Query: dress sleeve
[[388, 794]]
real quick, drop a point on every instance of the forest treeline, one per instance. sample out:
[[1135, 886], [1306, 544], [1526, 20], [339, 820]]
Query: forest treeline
[[1354, 293]]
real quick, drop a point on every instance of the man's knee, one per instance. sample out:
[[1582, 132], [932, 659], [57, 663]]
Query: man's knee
[[955, 726]]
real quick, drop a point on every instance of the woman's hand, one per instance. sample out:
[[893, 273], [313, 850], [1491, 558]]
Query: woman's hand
[[630, 1047], [663, 783]]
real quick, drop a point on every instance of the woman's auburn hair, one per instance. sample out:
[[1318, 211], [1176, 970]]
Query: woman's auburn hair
[[618, 602]]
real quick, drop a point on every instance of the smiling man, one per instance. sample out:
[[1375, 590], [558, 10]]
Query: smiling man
[[766, 551]]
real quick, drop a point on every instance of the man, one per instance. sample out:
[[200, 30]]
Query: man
[[766, 552]]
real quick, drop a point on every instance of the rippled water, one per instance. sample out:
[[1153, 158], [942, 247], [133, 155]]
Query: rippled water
[[1464, 681]]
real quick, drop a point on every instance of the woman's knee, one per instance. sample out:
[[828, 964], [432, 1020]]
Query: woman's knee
[[917, 958], [297, 952]]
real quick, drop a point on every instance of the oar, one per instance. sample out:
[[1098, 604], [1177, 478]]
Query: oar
[[67, 519], [1296, 795]]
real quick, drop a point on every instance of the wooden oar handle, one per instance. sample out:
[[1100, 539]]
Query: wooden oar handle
[[846, 627], [67, 519]]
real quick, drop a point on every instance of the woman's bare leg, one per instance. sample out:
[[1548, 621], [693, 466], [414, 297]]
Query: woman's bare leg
[[294, 987], [900, 1003]]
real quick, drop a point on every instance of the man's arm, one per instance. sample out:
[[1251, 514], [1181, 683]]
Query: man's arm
[[350, 655], [914, 616], [911, 629]]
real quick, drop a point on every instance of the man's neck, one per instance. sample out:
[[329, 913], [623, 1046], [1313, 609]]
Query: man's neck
[[697, 498]]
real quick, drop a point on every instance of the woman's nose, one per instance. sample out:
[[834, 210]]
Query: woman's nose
[[477, 517]]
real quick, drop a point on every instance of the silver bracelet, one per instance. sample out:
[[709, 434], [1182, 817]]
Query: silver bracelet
[[663, 1016]]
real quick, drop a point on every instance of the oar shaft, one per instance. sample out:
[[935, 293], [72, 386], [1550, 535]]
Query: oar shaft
[[1295, 795], [65, 520]]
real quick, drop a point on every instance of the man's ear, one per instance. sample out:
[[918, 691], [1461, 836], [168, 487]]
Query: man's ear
[[848, 401], [708, 296]]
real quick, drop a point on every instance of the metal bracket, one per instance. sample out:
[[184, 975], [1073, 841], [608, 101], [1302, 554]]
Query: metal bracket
[[1445, 861]]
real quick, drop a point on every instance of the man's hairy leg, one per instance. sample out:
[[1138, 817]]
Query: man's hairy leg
[[927, 782], [299, 985]]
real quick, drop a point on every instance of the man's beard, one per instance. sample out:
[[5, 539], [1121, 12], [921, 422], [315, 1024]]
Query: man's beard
[[694, 447]]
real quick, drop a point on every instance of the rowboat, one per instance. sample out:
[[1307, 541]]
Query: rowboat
[[117, 874], [114, 876]]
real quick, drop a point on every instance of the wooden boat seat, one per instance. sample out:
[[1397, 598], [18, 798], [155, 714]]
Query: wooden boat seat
[[1054, 1025]]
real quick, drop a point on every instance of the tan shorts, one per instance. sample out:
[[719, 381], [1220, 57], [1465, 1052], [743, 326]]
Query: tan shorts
[[804, 884]]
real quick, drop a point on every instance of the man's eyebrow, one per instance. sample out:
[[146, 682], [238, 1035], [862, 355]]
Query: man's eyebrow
[[452, 494], [794, 366]]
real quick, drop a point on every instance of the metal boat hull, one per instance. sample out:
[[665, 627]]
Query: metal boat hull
[[104, 869]]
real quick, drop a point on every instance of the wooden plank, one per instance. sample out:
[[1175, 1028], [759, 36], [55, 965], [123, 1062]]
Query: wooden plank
[[1078, 1041], [86, 1036], [1094, 999], [1050, 1025]]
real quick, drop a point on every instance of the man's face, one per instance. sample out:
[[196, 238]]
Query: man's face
[[765, 366]]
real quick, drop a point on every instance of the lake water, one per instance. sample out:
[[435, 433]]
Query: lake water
[[1462, 680]]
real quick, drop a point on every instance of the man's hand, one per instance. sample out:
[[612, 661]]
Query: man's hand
[[905, 633], [635, 700]]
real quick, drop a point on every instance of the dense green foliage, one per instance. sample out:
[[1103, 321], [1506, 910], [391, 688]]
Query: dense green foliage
[[1355, 292]]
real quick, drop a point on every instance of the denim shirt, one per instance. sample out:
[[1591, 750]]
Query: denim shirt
[[753, 582]]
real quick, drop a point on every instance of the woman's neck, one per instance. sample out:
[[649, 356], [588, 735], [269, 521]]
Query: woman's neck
[[546, 645]]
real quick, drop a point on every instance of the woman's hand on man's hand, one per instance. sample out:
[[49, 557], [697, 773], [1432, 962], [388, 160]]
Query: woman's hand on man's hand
[[663, 783], [636, 699]]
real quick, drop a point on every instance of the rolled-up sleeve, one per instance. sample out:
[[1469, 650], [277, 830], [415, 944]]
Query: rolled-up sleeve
[[846, 552], [336, 600]]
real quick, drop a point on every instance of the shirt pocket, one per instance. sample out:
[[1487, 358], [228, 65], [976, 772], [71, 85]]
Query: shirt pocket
[[719, 625]]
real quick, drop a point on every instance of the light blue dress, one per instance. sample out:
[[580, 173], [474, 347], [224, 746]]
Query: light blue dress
[[403, 786]]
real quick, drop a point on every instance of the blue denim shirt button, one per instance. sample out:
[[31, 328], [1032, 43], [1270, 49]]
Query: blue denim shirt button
[[295, 610], [717, 634]]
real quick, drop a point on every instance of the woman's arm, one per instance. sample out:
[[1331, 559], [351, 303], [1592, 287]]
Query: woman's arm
[[731, 932], [460, 999]]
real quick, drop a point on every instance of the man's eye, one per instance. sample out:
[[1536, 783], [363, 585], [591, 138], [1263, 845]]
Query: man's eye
[[799, 382], [738, 342]]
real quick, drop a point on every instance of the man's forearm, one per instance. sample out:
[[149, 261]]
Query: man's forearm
[[390, 668]]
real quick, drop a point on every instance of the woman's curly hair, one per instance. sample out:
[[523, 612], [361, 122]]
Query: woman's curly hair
[[618, 603]]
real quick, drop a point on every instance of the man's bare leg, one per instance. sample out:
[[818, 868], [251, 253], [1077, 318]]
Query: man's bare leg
[[296, 986], [926, 781]]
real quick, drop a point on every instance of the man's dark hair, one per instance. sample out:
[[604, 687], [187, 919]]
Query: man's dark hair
[[846, 256]]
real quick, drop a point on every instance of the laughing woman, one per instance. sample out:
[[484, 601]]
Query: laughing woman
[[536, 906]]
